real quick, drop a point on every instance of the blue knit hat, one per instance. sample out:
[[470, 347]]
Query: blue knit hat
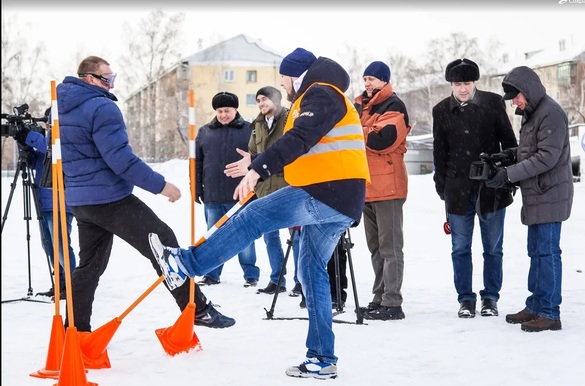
[[378, 70], [297, 62]]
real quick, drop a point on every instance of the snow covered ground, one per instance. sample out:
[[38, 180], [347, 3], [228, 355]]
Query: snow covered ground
[[430, 347]]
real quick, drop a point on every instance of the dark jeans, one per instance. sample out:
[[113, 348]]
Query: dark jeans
[[492, 237], [132, 221], [546, 270]]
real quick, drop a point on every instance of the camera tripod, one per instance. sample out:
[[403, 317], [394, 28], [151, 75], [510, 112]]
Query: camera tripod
[[23, 168], [345, 244]]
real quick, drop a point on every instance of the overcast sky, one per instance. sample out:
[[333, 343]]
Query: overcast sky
[[378, 27]]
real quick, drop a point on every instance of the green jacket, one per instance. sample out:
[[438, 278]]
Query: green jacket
[[260, 139]]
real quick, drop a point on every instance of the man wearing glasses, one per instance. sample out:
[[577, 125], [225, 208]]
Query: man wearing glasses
[[100, 172]]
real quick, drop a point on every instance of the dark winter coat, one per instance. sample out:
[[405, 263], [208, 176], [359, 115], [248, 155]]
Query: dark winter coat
[[99, 166], [215, 147], [461, 132], [322, 108], [261, 138], [543, 156], [39, 143]]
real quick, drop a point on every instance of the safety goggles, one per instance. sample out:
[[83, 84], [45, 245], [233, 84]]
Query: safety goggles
[[107, 79]]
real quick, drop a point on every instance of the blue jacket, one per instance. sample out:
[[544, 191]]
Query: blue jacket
[[98, 163], [39, 144]]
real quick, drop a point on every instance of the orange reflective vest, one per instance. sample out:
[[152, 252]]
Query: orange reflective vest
[[339, 155]]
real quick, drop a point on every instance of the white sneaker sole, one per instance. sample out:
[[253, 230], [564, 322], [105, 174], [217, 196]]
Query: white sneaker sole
[[173, 279]]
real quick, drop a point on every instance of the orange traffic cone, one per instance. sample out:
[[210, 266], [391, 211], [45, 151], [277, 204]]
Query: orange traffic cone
[[56, 343], [180, 337], [72, 371], [94, 345]]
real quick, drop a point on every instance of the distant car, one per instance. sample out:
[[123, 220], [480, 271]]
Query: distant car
[[577, 142]]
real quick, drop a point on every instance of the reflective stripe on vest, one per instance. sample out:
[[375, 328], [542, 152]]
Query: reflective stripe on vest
[[339, 155]]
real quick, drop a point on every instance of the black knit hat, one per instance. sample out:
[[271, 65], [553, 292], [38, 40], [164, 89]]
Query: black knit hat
[[462, 70], [224, 99], [271, 93], [510, 92], [379, 70]]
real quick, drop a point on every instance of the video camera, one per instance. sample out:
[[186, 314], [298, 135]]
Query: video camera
[[486, 168], [21, 121]]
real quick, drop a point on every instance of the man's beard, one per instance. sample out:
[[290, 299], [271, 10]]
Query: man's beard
[[290, 96]]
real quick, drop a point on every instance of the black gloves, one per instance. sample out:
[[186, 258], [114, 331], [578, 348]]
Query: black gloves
[[21, 134], [199, 198], [505, 158], [499, 180]]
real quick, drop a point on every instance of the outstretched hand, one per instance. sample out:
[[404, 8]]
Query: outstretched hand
[[171, 191], [246, 185], [239, 168]]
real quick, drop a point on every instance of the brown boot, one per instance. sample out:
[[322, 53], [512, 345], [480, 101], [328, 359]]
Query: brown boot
[[521, 317], [541, 324]]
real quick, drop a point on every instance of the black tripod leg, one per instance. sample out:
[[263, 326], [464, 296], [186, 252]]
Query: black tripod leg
[[270, 313], [348, 245], [12, 188]]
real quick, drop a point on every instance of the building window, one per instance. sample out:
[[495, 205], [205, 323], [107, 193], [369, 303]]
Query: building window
[[229, 76], [251, 76], [564, 74], [505, 58], [562, 45], [250, 99]]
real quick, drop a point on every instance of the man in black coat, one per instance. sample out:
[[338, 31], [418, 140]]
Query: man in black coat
[[467, 123]]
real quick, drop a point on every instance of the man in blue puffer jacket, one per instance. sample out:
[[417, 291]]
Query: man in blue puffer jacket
[[100, 171]]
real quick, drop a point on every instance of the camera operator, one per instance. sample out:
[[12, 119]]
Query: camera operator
[[544, 173], [467, 123], [38, 143]]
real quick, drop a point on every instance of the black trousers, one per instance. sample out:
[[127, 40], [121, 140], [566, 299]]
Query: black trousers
[[342, 271], [131, 220]]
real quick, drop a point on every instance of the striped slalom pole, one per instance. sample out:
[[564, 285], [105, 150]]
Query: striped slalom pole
[[225, 217], [192, 160]]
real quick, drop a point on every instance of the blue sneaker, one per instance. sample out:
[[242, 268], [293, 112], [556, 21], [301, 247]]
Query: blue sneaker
[[166, 259], [313, 368]]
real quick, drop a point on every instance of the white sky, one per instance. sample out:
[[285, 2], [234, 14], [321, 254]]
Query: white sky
[[432, 346], [378, 27]]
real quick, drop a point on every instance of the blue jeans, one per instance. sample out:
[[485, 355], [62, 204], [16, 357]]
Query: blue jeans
[[492, 237], [322, 227], [46, 224], [275, 256], [246, 256], [546, 270]]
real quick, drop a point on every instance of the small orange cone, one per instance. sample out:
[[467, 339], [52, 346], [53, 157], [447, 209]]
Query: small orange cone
[[94, 345], [72, 371], [56, 343], [180, 337]]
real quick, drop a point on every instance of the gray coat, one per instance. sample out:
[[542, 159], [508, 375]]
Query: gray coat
[[543, 166]]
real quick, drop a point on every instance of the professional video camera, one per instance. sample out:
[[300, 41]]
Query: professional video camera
[[488, 165], [21, 121]]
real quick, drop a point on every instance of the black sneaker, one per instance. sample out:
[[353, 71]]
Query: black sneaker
[[270, 289], [336, 306], [303, 303], [371, 306], [250, 283], [489, 307], [208, 281], [50, 293], [467, 309], [296, 291], [212, 318], [385, 313]]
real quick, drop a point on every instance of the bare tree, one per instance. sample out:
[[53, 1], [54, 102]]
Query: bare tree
[[152, 52], [152, 46], [22, 72]]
